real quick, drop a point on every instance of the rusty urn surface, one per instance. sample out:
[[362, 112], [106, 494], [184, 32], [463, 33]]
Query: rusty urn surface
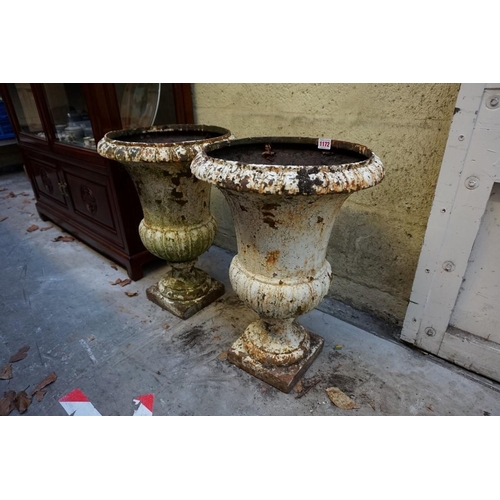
[[284, 194], [177, 224]]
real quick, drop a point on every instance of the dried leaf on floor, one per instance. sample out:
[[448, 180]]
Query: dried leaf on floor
[[10, 195], [121, 282], [64, 238], [24, 194], [131, 294], [3, 218], [114, 267], [166, 326], [10, 395], [216, 337], [3, 189], [222, 356], [26, 202], [46, 228], [6, 372], [298, 387], [22, 401], [307, 385], [7, 403], [340, 399], [40, 395], [21, 354], [91, 338], [338, 347], [32, 228], [52, 377]]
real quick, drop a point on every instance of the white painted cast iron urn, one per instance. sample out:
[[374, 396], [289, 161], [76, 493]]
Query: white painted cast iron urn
[[284, 194], [177, 224]]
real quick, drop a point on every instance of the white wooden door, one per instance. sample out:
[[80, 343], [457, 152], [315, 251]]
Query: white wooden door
[[454, 309]]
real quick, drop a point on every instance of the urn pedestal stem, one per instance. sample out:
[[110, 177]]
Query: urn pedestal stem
[[284, 195], [177, 224]]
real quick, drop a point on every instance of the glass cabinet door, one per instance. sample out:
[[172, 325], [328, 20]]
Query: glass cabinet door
[[25, 108], [138, 103], [70, 117]]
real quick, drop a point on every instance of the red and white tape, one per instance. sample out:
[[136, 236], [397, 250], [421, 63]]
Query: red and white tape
[[144, 405], [76, 404]]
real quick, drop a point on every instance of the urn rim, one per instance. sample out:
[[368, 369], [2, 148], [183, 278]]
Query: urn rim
[[289, 179], [113, 147]]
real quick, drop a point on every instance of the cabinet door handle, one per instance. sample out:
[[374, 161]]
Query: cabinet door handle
[[62, 188]]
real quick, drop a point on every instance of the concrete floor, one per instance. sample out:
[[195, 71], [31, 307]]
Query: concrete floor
[[56, 297]]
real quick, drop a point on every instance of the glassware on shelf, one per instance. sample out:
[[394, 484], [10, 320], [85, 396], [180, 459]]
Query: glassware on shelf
[[68, 109]]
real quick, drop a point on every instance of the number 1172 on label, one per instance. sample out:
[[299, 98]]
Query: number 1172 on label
[[324, 143]]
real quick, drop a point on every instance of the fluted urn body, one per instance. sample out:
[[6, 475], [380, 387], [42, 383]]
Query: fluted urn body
[[284, 194], [177, 226]]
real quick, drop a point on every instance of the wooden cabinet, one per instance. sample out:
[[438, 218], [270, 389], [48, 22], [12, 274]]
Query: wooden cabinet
[[57, 127]]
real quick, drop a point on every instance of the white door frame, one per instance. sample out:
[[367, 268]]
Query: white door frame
[[470, 167]]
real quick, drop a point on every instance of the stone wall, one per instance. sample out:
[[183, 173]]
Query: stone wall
[[377, 237]]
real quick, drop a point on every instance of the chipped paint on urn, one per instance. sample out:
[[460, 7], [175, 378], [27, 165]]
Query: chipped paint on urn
[[177, 226], [283, 215]]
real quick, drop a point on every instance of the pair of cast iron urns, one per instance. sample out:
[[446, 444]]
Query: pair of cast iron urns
[[284, 193]]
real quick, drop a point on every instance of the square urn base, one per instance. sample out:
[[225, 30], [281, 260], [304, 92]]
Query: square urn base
[[283, 378], [186, 308]]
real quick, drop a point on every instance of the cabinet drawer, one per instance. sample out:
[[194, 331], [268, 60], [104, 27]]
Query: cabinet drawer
[[46, 179], [92, 202]]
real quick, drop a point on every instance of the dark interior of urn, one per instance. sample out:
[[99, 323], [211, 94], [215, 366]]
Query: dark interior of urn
[[286, 154], [168, 136]]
